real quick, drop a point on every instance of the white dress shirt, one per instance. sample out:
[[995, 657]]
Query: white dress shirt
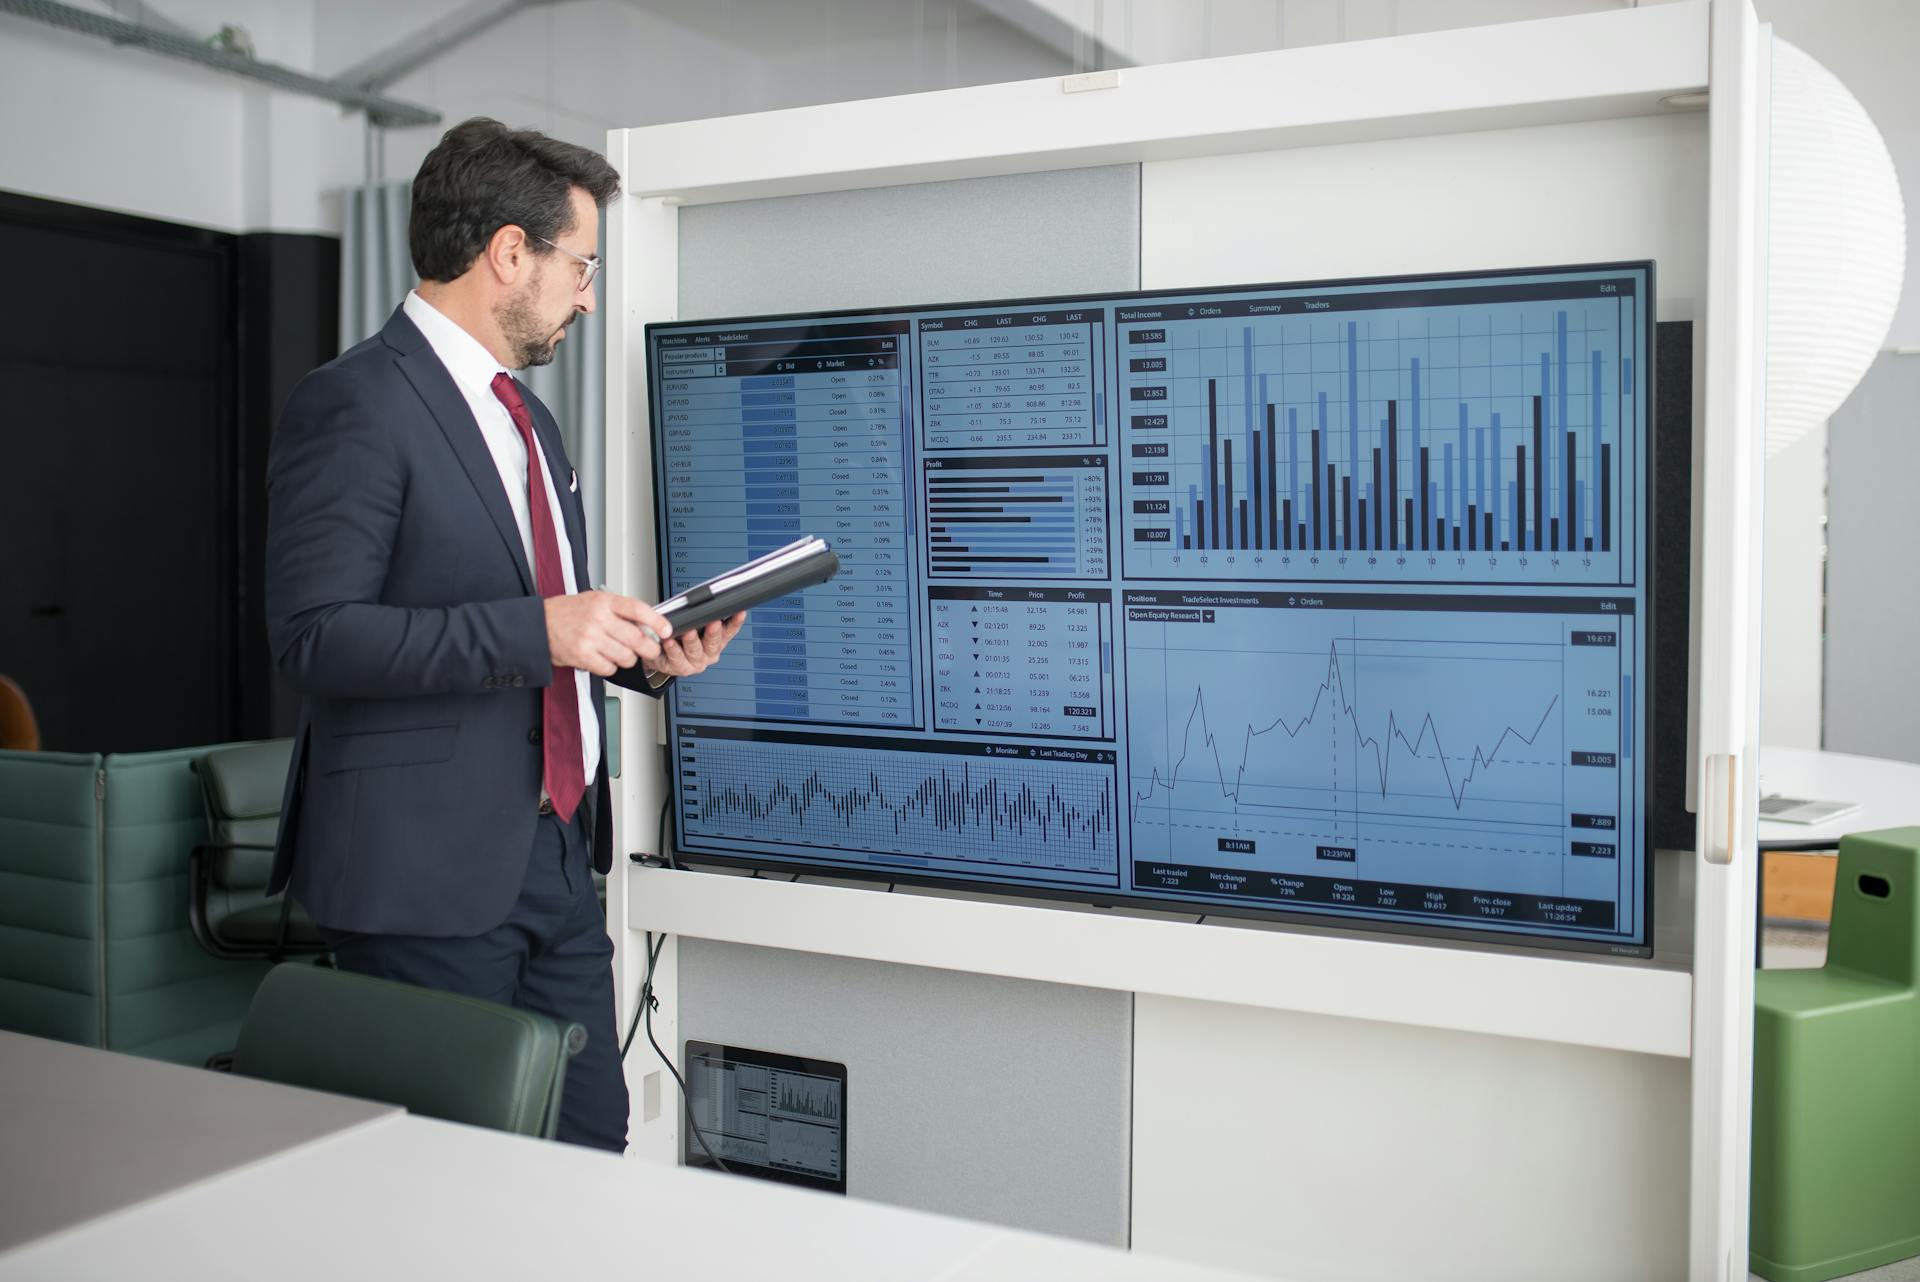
[[473, 368]]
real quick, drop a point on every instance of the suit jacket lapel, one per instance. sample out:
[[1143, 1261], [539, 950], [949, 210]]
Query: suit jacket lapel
[[436, 387]]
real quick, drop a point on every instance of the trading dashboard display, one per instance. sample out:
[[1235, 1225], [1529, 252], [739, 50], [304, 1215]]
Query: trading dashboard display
[[766, 1115], [1324, 601]]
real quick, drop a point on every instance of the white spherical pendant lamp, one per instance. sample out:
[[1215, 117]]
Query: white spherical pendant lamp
[[1836, 245]]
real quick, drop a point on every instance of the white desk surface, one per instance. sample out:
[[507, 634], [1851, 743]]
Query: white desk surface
[[401, 1196], [1888, 793], [86, 1132]]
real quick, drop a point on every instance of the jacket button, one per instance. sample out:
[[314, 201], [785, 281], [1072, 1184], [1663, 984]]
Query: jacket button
[[533, 735], [519, 681], [486, 683]]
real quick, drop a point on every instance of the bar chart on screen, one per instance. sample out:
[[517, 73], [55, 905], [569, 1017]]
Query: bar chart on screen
[[1029, 516], [1382, 438]]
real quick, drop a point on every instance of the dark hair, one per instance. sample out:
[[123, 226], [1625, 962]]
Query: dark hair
[[483, 176]]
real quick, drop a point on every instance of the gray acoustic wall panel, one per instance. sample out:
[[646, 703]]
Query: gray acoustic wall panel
[[970, 1095], [1071, 231], [1872, 703], [995, 1099]]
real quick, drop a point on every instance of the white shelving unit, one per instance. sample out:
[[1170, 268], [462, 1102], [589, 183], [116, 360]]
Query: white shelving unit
[[1678, 1029]]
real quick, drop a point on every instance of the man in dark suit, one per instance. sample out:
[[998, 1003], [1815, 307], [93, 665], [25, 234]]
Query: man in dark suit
[[427, 594]]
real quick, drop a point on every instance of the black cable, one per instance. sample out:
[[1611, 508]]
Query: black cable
[[647, 1003], [660, 844], [633, 1029], [643, 1012]]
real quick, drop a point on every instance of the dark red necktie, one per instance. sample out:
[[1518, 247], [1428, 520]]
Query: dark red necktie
[[560, 730]]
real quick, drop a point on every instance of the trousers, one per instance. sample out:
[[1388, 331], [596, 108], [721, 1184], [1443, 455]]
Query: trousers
[[551, 956]]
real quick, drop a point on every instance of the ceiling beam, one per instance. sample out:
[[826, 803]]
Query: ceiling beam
[[137, 11], [437, 38], [380, 110]]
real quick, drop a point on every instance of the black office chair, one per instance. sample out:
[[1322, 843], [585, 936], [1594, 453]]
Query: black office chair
[[228, 907], [437, 1054]]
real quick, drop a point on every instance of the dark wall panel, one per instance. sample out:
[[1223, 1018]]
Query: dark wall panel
[[116, 502], [143, 365]]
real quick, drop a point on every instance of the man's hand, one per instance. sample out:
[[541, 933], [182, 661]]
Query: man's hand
[[693, 653], [600, 632]]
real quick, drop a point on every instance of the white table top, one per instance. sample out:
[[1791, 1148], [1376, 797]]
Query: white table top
[[403, 1196], [86, 1132], [1888, 793]]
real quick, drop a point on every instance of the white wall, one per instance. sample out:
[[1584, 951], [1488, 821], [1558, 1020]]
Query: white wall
[[1793, 587], [104, 127], [867, 66], [573, 71], [577, 70], [124, 129], [1497, 1158], [1871, 700], [1870, 45], [1151, 31]]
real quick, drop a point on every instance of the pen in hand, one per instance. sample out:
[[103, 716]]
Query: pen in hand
[[651, 634]]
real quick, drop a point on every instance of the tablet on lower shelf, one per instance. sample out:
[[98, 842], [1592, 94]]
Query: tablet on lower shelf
[[771, 1116]]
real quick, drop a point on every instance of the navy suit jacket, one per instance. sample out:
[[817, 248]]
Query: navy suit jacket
[[400, 604]]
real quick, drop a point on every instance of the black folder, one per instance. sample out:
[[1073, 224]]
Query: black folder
[[800, 564]]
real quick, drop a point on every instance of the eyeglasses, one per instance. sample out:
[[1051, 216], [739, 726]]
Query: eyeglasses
[[589, 267]]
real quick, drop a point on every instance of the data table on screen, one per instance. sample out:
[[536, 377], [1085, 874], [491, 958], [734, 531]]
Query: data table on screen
[[771, 434], [1007, 380], [1025, 660]]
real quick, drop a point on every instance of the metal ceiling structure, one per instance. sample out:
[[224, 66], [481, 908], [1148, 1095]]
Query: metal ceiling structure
[[435, 39], [360, 86], [380, 109]]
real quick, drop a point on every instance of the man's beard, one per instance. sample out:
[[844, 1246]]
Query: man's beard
[[532, 339]]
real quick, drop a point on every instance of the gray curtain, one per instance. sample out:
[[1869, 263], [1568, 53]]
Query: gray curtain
[[376, 272]]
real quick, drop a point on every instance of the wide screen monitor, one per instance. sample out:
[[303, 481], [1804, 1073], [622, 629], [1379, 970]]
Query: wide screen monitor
[[1327, 601]]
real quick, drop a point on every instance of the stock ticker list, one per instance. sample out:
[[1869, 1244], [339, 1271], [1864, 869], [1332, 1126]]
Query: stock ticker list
[[773, 434]]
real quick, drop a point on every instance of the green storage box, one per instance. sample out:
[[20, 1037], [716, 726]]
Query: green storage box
[[1836, 1080]]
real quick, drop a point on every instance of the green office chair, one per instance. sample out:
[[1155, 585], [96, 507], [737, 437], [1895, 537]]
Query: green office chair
[[437, 1054], [228, 907]]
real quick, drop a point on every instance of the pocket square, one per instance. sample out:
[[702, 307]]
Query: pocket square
[[573, 484]]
